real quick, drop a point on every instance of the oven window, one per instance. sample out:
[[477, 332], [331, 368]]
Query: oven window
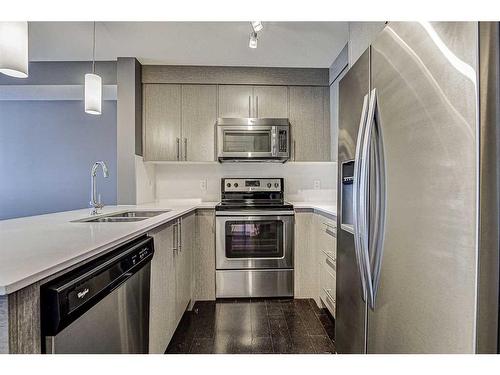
[[257, 239], [255, 141]]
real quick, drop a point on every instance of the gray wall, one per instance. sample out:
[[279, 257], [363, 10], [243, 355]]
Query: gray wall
[[46, 151]]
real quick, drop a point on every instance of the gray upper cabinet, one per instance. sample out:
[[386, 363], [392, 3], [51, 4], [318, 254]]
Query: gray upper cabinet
[[161, 121], [310, 123], [270, 101], [199, 114], [235, 101], [179, 122], [253, 101]]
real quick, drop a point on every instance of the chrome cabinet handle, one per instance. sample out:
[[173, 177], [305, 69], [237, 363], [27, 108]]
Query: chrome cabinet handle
[[185, 145], [249, 106], [178, 141], [356, 193], [331, 264], [257, 106], [180, 234], [174, 237], [330, 229]]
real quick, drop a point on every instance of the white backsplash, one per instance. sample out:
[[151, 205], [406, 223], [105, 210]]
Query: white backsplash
[[185, 181]]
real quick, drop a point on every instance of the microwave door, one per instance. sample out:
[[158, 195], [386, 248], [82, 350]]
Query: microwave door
[[246, 143]]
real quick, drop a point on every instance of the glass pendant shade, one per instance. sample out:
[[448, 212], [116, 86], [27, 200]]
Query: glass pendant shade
[[14, 49], [93, 94]]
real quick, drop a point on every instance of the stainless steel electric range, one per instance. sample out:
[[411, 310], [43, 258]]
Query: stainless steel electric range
[[254, 239]]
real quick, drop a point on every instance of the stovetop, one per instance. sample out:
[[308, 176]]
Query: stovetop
[[253, 194], [246, 205]]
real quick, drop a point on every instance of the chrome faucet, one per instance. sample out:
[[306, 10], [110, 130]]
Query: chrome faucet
[[95, 203]]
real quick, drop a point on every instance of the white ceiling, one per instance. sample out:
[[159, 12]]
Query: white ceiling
[[284, 44]]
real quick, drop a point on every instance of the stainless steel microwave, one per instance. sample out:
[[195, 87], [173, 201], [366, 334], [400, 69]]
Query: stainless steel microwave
[[253, 139]]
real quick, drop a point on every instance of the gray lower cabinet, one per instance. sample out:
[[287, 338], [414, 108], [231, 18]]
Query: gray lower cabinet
[[183, 262], [310, 123], [199, 114], [204, 261], [306, 279], [161, 122], [235, 101], [171, 279], [270, 101], [162, 304]]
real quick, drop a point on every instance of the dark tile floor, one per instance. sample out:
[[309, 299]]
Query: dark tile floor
[[254, 326]]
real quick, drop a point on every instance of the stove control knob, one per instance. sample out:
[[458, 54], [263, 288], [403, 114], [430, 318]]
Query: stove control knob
[[269, 185], [228, 184], [235, 184], [276, 185]]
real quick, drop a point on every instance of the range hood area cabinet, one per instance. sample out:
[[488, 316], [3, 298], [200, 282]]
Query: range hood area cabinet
[[236, 101], [179, 119], [178, 122]]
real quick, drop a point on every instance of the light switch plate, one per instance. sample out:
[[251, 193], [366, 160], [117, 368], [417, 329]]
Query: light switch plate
[[317, 184]]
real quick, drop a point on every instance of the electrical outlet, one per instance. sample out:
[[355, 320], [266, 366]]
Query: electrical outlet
[[317, 184], [203, 185]]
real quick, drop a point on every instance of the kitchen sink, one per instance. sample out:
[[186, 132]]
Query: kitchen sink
[[137, 214], [123, 217], [109, 219]]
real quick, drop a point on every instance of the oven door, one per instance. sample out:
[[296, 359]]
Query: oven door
[[246, 141], [251, 241]]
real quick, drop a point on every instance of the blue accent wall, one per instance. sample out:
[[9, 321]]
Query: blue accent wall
[[47, 149]]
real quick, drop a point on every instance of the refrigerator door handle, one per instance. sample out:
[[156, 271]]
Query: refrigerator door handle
[[380, 202], [364, 191], [372, 248], [356, 195]]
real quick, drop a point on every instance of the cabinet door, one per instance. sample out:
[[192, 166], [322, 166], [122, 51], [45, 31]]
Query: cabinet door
[[235, 101], [270, 101], [162, 322], [306, 266], [204, 261], [162, 121], [199, 113], [310, 123], [183, 264]]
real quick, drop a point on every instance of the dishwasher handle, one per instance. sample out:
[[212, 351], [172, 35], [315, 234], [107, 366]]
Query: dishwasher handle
[[66, 298]]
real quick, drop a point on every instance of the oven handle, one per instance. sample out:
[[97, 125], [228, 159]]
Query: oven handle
[[255, 213]]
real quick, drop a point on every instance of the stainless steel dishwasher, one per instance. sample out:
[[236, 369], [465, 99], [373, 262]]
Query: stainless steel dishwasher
[[101, 307]]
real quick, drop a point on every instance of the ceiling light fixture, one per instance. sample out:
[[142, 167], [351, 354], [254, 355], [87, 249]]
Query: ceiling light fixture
[[253, 40], [93, 88], [14, 49], [257, 26]]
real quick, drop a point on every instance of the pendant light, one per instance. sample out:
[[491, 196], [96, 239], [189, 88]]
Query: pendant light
[[14, 49], [93, 88]]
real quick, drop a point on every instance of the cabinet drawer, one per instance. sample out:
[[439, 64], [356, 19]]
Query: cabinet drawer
[[329, 301], [328, 277], [326, 232]]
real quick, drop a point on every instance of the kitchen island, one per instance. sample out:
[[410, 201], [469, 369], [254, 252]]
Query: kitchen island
[[40, 248]]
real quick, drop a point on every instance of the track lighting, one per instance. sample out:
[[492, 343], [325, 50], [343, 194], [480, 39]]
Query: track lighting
[[253, 40], [14, 49], [257, 26], [93, 88]]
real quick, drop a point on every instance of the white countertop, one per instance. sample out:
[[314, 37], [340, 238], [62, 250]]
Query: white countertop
[[329, 208], [36, 247]]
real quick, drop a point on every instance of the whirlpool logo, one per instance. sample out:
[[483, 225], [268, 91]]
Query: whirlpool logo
[[82, 293]]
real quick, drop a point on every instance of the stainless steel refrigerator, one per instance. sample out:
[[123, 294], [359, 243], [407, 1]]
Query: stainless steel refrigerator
[[418, 192]]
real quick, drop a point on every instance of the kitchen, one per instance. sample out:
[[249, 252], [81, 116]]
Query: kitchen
[[256, 203]]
